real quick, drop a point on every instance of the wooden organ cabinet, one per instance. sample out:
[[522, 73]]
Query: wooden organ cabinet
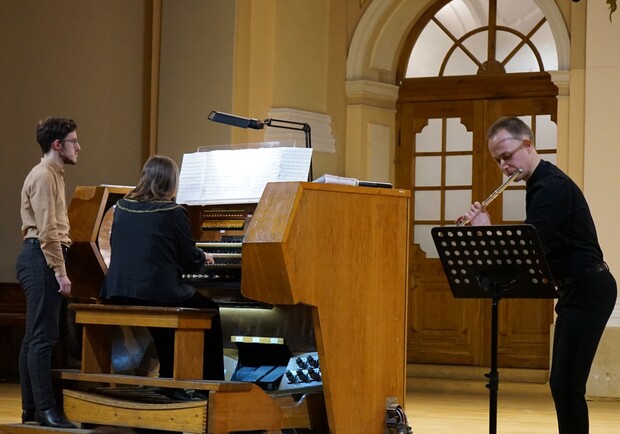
[[343, 251], [322, 268]]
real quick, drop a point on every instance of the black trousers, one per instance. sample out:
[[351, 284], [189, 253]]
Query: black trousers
[[213, 358], [583, 310], [43, 306]]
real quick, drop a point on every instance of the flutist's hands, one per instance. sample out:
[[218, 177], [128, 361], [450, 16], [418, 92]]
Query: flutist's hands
[[477, 215]]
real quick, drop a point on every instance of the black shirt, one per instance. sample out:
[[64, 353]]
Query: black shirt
[[151, 246], [556, 207]]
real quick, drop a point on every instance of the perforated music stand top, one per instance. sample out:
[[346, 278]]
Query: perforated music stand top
[[481, 260]]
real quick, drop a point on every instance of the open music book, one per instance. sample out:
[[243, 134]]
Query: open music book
[[238, 175]]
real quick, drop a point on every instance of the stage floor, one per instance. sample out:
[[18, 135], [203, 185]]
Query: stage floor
[[522, 408], [434, 407]]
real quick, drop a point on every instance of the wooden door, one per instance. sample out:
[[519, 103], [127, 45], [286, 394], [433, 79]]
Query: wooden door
[[458, 111]]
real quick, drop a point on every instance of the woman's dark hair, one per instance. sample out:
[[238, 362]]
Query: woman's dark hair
[[159, 180], [51, 129]]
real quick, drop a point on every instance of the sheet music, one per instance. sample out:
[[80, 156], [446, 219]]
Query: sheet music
[[191, 177], [295, 164], [240, 175]]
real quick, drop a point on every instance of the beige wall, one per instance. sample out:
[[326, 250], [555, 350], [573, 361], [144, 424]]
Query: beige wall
[[292, 54], [76, 58], [90, 60], [197, 38], [602, 152]]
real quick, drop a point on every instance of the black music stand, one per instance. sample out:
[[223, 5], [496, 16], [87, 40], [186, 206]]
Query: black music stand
[[501, 261]]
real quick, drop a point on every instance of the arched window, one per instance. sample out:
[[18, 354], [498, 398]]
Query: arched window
[[468, 37], [471, 38]]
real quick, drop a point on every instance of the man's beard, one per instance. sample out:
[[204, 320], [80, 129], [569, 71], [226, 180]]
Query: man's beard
[[66, 160]]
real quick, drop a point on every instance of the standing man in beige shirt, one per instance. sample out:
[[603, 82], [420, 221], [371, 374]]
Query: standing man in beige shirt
[[41, 269]]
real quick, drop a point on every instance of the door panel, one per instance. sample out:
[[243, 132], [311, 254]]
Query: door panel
[[443, 329]]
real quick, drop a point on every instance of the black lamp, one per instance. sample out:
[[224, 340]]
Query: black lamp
[[256, 124]]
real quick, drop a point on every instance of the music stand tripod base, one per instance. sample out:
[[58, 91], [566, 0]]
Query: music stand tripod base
[[500, 261]]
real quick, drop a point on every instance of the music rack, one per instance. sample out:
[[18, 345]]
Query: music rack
[[501, 261]]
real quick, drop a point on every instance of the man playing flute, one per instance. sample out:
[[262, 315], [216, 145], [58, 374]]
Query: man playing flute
[[587, 290]]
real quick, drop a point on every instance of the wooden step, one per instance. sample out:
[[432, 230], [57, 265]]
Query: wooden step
[[227, 410], [452, 378], [457, 372], [97, 409]]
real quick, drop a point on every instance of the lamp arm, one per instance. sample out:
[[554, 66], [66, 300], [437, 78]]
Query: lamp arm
[[291, 125], [295, 126]]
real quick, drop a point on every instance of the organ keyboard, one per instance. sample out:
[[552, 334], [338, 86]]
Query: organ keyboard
[[219, 230]]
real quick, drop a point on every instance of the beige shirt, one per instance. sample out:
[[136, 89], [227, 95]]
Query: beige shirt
[[44, 212]]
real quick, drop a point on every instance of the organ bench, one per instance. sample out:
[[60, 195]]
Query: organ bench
[[188, 324]]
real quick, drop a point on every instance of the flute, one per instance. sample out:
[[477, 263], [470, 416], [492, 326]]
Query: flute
[[494, 195]]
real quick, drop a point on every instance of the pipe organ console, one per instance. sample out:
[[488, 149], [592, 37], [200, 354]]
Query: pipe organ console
[[219, 230], [311, 283]]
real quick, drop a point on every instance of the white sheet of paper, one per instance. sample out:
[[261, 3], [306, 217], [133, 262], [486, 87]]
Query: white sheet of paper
[[239, 175]]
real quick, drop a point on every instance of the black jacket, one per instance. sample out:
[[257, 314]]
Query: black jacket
[[556, 207], [151, 246]]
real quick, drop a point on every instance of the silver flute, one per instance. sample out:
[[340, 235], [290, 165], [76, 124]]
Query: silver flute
[[494, 195]]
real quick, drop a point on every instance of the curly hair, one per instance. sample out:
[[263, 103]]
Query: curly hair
[[51, 129]]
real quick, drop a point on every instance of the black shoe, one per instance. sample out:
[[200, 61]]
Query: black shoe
[[28, 416], [53, 418]]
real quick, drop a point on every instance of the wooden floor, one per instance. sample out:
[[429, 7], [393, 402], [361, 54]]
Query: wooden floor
[[461, 407], [522, 409]]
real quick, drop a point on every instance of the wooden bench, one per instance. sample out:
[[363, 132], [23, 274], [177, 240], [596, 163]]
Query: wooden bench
[[189, 327]]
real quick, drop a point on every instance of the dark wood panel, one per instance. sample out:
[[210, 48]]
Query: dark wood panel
[[477, 87], [12, 325]]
